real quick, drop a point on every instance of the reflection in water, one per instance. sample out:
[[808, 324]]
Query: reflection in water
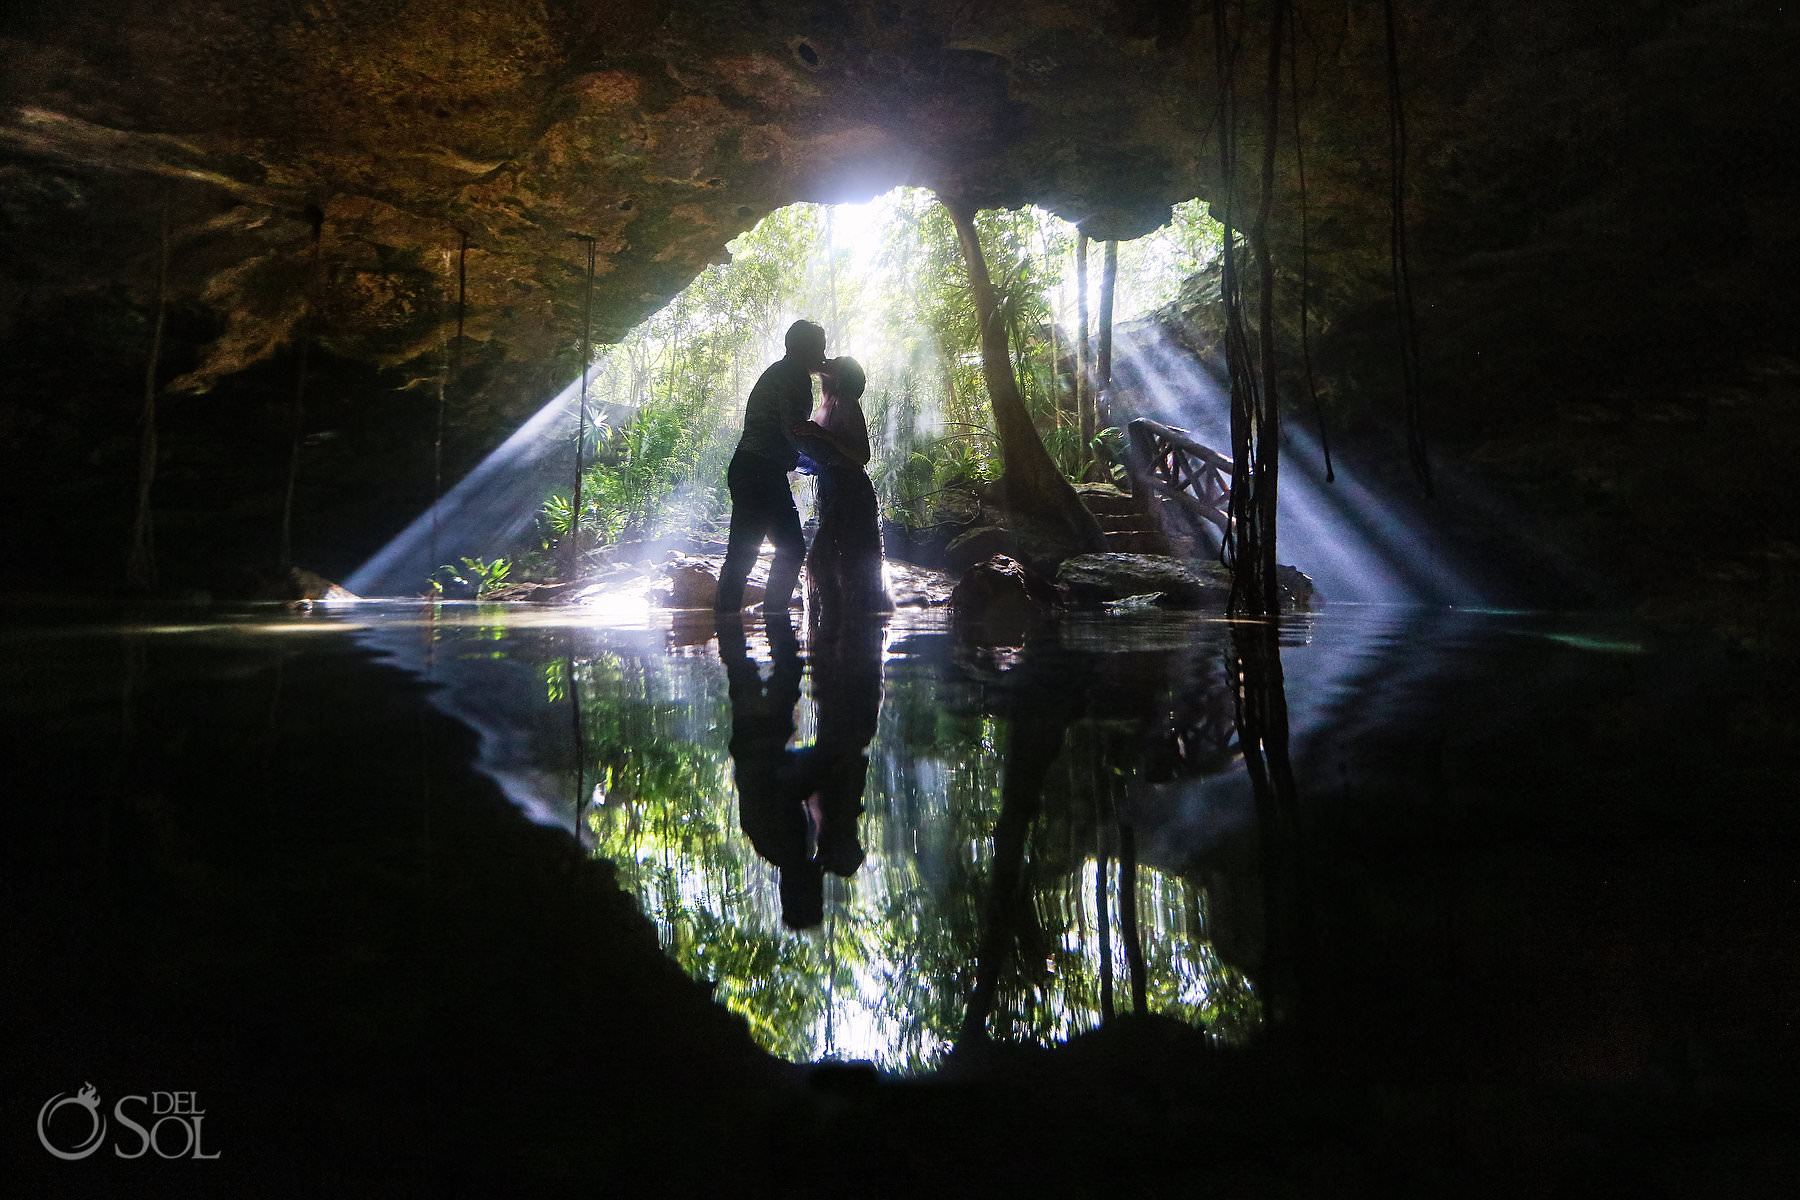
[[881, 844], [799, 807], [1262, 723]]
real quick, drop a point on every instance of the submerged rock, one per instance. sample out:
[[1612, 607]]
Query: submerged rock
[[535, 593], [690, 586], [1296, 588], [1149, 602]]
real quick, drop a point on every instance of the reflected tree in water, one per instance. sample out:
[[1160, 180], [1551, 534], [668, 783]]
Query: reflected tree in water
[[991, 794]]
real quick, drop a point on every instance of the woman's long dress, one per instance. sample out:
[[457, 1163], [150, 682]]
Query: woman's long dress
[[843, 568]]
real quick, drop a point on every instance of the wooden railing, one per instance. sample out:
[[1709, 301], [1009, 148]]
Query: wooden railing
[[1195, 477]]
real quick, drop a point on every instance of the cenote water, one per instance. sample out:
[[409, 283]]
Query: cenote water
[[1519, 850], [834, 876]]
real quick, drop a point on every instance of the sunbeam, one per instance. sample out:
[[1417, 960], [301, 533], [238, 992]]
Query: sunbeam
[[1356, 543], [484, 514]]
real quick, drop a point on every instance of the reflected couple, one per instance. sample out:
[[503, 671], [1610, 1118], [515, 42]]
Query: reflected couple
[[799, 805]]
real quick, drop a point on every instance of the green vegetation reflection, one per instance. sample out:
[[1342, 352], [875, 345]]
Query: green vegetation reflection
[[888, 973]]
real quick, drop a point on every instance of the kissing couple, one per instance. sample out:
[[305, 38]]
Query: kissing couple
[[783, 433]]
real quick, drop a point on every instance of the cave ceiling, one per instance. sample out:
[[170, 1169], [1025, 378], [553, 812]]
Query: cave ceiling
[[1537, 134], [659, 130]]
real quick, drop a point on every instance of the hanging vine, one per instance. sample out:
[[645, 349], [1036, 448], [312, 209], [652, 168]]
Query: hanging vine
[[297, 411], [1249, 547], [1312, 387], [140, 567], [1404, 312]]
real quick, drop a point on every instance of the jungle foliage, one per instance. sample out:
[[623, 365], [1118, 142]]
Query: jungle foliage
[[666, 402]]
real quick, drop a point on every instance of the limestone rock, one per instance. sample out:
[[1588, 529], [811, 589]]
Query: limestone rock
[[1296, 589], [303, 584], [694, 583], [912, 586], [1095, 579], [1000, 592], [690, 587], [1555, 160], [977, 545]]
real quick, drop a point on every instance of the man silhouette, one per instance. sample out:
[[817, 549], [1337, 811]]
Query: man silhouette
[[762, 502]]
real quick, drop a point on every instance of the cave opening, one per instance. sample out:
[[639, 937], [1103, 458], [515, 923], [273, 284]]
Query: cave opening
[[663, 403], [884, 277]]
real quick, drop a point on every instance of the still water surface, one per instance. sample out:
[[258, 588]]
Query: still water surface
[[1483, 895], [880, 844], [888, 844]]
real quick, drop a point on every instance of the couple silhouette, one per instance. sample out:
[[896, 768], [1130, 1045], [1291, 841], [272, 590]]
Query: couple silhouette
[[783, 434]]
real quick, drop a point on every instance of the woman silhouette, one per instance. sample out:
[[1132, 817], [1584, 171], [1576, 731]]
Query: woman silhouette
[[843, 568]]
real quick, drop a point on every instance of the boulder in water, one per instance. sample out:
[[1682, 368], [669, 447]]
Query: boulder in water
[[1001, 596], [690, 586], [302, 584], [693, 584], [1101, 580], [1092, 580], [977, 545]]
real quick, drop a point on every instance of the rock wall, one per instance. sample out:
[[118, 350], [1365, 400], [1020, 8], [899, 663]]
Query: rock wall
[[1595, 203]]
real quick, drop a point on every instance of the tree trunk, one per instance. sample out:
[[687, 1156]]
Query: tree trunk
[[1057, 412], [1109, 278], [1101, 404], [1103, 910], [1033, 487], [831, 276], [1084, 388], [1128, 920]]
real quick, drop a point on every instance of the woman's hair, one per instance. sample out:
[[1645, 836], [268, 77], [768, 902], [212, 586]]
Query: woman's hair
[[845, 376]]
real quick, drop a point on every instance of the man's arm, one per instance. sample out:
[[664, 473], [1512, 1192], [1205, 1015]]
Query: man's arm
[[808, 435]]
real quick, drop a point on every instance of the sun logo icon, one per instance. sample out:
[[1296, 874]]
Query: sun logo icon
[[87, 1098]]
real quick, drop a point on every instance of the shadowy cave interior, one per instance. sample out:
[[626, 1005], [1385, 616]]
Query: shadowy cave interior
[[1503, 937]]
